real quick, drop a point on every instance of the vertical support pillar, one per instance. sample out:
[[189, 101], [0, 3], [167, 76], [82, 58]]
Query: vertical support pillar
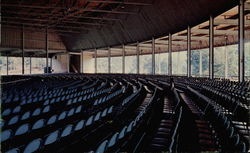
[[7, 63], [81, 62], [200, 63], [95, 60], [0, 25], [68, 58], [109, 61], [226, 63], [22, 49], [226, 59], [241, 45], [189, 51], [123, 59], [30, 65], [170, 54], [211, 47], [138, 57], [47, 51], [178, 57], [51, 59], [153, 56]]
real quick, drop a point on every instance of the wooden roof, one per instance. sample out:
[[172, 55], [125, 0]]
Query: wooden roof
[[78, 25]]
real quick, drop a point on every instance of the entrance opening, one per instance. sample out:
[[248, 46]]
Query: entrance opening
[[74, 66]]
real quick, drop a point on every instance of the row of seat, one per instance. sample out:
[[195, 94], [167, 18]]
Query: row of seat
[[230, 137], [47, 122], [122, 110], [41, 123], [126, 130], [58, 93], [107, 98], [22, 117], [237, 90], [224, 126], [234, 103], [37, 124], [238, 110], [38, 100], [30, 94], [40, 91], [17, 109], [128, 99], [28, 114], [61, 134]]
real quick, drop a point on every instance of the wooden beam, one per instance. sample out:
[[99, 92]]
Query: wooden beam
[[47, 21], [119, 2], [247, 6], [38, 28], [28, 6], [110, 11], [44, 26], [222, 32], [79, 11], [97, 18], [150, 45], [229, 21], [164, 43], [197, 38]]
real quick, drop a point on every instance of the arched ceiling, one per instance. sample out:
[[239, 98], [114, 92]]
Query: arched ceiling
[[148, 21], [87, 24]]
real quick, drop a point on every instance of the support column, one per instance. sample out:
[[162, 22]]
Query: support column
[[95, 60], [51, 59], [189, 51], [241, 45], [81, 62], [7, 64], [170, 54], [226, 59], [178, 57], [22, 49], [211, 47], [47, 51], [226, 63], [123, 59], [68, 58], [0, 25], [109, 61], [153, 56], [200, 63], [30, 65], [138, 58]]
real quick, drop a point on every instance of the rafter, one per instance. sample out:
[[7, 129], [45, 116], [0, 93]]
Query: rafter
[[229, 22], [119, 2], [221, 32], [198, 38], [44, 26], [47, 21], [73, 8]]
